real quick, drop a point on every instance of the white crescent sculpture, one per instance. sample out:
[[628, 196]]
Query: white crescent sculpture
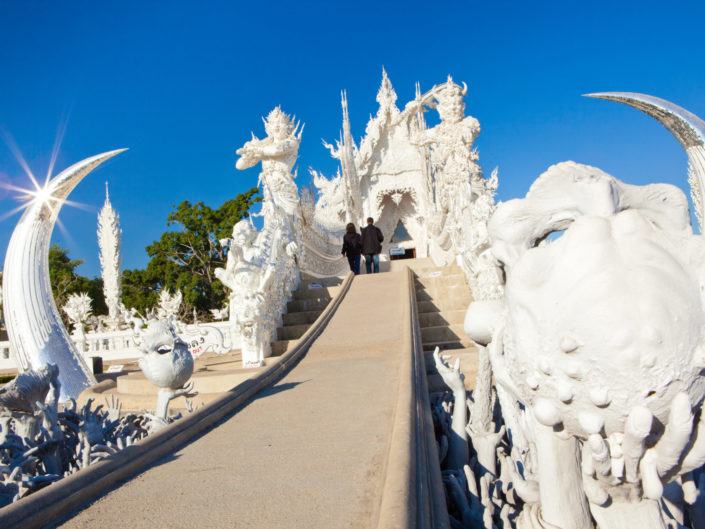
[[685, 126], [37, 335]]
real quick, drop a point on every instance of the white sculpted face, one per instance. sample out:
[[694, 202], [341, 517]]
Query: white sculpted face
[[451, 107], [610, 315], [244, 233], [278, 125], [166, 360]]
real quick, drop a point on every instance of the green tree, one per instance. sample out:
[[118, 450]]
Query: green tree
[[186, 259], [137, 291], [65, 281]]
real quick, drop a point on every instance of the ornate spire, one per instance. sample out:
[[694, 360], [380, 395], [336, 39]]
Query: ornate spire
[[346, 119], [386, 96], [420, 120], [347, 148], [109, 240]]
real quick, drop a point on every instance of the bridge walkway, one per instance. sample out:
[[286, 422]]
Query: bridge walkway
[[311, 451]]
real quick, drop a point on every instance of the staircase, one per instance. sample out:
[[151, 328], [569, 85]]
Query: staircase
[[310, 299], [443, 296]]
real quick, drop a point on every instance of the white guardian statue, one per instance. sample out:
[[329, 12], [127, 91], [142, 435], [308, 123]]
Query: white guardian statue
[[262, 268], [278, 153]]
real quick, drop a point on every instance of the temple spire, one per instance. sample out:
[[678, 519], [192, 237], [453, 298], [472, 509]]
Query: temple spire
[[353, 200], [109, 242], [386, 96]]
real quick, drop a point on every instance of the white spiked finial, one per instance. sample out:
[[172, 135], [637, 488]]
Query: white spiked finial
[[109, 242]]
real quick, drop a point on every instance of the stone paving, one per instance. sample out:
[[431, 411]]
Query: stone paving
[[308, 452]]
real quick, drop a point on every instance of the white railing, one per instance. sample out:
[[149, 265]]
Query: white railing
[[117, 345]]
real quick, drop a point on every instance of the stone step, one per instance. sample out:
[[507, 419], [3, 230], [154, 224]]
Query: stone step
[[280, 347], [446, 305], [433, 319], [315, 293], [448, 279], [292, 332], [426, 306], [447, 345], [323, 281], [439, 287], [306, 305], [433, 271], [298, 318], [443, 333], [459, 292]]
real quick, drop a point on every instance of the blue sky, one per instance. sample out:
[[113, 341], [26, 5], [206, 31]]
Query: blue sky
[[182, 84]]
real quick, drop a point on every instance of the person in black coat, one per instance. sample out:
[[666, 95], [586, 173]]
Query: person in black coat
[[352, 247], [371, 245]]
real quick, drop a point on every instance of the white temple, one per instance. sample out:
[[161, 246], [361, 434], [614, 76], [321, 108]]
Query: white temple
[[588, 405], [422, 185]]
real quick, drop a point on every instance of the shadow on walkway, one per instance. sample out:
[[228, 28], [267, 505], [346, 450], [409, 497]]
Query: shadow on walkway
[[273, 390]]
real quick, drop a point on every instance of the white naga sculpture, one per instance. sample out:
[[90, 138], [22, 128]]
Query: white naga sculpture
[[261, 268], [37, 335], [109, 235], [598, 347]]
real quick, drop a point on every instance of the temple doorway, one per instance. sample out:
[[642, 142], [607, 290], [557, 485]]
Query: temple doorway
[[400, 235]]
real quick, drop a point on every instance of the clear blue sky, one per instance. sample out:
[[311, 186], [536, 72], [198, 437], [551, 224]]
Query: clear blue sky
[[182, 84]]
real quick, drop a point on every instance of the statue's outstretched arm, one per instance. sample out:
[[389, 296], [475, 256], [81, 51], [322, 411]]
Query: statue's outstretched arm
[[278, 148]]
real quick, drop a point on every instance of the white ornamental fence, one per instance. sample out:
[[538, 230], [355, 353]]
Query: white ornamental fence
[[119, 345]]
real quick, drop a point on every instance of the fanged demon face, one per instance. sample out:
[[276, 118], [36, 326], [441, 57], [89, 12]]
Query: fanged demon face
[[608, 316]]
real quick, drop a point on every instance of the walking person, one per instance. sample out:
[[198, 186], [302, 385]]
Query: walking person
[[352, 247], [371, 245]]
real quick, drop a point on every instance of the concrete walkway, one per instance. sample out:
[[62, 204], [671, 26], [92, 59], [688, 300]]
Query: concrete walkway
[[309, 452]]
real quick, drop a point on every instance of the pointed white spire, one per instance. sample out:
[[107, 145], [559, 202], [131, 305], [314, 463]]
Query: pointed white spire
[[109, 241], [346, 119], [386, 96], [420, 120]]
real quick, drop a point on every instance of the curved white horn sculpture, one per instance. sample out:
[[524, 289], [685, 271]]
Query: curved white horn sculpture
[[687, 128], [36, 332]]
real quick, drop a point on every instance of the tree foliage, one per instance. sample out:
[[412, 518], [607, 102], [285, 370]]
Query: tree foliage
[[185, 259], [65, 281]]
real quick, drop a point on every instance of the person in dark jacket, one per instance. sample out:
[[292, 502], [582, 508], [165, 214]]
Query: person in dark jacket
[[371, 245], [352, 247]]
